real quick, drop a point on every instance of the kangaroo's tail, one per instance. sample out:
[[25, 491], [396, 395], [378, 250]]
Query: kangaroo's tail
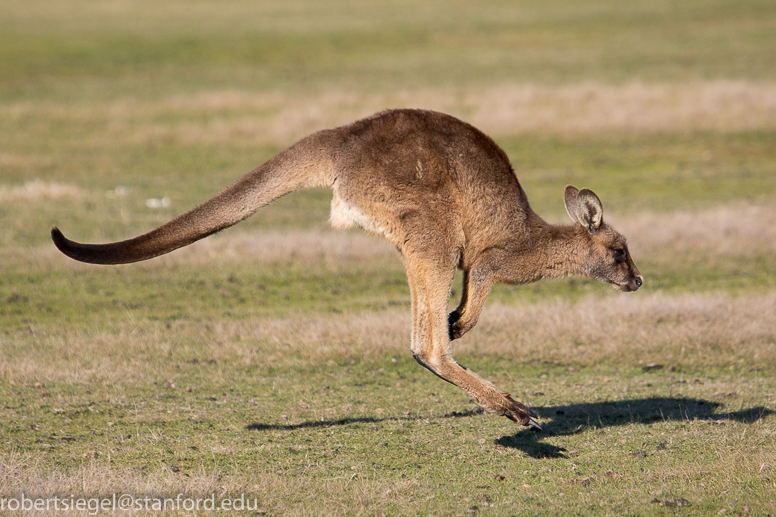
[[305, 164]]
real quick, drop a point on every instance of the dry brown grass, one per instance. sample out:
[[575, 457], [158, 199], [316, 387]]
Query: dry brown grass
[[712, 331], [130, 353], [500, 110], [708, 330], [332, 249], [635, 107], [734, 230], [18, 473], [17, 160], [38, 190], [278, 118]]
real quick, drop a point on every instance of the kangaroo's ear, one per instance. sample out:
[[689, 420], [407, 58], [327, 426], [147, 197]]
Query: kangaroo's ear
[[590, 211], [570, 196], [584, 207]]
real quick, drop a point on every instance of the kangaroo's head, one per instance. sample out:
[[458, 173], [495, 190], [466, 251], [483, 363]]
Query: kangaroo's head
[[607, 258]]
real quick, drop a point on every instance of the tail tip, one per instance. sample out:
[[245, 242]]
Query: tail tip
[[57, 237]]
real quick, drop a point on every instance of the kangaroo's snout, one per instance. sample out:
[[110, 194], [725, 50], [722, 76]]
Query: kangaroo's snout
[[634, 284]]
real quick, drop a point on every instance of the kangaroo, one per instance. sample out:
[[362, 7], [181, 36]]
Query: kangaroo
[[446, 196]]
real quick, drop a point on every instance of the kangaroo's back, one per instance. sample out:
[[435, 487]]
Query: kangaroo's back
[[401, 147], [404, 165]]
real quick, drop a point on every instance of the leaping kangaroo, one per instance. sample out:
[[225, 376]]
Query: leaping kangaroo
[[446, 196]]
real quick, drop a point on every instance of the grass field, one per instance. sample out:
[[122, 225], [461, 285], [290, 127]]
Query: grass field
[[270, 362]]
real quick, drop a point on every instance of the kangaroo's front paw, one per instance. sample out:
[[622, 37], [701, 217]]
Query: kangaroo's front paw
[[453, 329], [520, 414]]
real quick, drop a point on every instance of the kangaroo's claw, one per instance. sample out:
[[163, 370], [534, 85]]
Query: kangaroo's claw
[[520, 414]]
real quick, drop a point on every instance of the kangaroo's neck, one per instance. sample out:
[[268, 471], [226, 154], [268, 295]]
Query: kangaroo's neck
[[552, 251]]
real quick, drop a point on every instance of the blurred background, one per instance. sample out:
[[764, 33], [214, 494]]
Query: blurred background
[[116, 115]]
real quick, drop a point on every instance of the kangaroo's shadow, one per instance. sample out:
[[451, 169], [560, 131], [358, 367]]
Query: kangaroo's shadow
[[348, 421], [575, 418], [311, 424]]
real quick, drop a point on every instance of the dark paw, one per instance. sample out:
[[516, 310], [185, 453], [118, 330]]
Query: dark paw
[[452, 329], [520, 414]]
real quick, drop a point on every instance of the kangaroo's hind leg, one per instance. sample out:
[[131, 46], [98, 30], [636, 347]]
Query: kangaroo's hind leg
[[430, 277]]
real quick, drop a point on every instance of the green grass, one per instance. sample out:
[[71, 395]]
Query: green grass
[[349, 433], [85, 50], [271, 360], [648, 172]]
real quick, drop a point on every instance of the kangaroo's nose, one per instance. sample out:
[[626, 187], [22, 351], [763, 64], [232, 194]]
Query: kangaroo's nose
[[639, 281]]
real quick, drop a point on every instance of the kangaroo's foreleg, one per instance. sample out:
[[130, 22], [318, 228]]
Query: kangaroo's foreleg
[[477, 282], [430, 283]]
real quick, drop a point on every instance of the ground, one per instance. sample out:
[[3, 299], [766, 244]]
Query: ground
[[268, 365]]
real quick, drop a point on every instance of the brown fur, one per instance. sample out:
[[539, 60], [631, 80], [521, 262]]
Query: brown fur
[[446, 196]]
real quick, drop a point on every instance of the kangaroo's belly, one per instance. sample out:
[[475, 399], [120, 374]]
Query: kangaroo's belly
[[345, 215]]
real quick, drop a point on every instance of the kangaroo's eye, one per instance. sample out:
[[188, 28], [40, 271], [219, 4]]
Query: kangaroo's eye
[[618, 253]]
